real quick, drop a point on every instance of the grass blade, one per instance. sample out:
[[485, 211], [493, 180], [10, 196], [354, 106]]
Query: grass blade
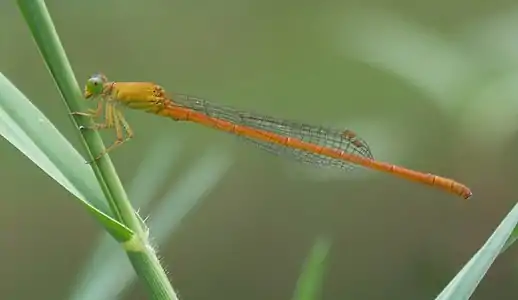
[[309, 285], [40, 23], [26, 128], [112, 274], [158, 161], [466, 281], [141, 254]]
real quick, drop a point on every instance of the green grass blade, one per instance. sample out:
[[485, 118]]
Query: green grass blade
[[141, 254], [157, 161], [27, 128], [512, 239], [466, 281], [112, 274], [34, 135], [40, 24], [309, 284]]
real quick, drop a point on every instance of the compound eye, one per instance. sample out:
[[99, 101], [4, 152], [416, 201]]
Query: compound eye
[[94, 86]]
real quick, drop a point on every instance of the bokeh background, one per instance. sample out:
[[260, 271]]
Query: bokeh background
[[431, 85]]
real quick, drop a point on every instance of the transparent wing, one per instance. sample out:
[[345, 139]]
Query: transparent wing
[[339, 139]]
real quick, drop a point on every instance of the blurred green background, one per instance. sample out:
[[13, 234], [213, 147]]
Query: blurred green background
[[430, 85]]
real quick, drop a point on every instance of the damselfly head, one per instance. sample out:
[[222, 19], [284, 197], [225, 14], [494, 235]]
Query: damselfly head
[[95, 85]]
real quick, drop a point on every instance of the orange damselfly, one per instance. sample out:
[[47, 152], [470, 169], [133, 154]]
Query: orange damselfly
[[303, 142]]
